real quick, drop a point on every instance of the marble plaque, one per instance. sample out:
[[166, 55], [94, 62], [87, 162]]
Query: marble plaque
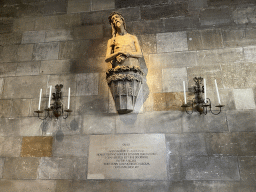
[[129, 156]]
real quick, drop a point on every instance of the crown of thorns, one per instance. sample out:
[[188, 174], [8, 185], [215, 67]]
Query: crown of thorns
[[115, 13]]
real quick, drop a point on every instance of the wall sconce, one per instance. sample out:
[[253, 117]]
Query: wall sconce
[[55, 109], [198, 103]]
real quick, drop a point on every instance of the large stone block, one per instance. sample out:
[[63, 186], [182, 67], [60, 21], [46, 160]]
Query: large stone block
[[177, 59], [91, 104], [145, 27], [101, 17], [62, 168], [58, 35], [66, 146], [212, 39], [239, 75], [74, 49], [30, 126], [194, 40], [98, 48], [211, 186], [6, 106], [164, 11], [23, 87], [28, 185], [170, 42], [87, 84], [249, 54], [239, 143], [159, 102], [6, 24], [1, 167], [154, 80], [197, 4], [244, 98], [25, 52], [133, 3], [88, 32], [8, 69], [163, 122], [33, 37], [241, 121], [181, 23], [220, 56], [238, 37], [9, 53], [36, 146], [28, 68], [54, 7], [20, 107], [173, 79], [1, 85], [239, 15], [174, 168], [90, 65], [55, 67], [78, 6], [67, 21], [211, 168], [205, 39], [115, 186], [215, 16], [10, 146], [98, 5], [46, 23], [247, 167], [9, 127], [186, 144], [46, 51], [20, 168], [63, 185], [24, 24], [96, 124], [10, 38], [205, 123], [147, 43]]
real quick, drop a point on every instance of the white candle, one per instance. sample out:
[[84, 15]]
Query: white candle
[[217, 91], [49, 104], [204, 91], [185, 99], [68, 97], [40, 99]]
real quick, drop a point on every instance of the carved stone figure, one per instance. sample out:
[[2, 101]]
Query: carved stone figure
[[124, 78]]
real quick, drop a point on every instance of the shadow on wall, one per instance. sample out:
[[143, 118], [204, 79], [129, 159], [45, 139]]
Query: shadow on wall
[[59, 127]]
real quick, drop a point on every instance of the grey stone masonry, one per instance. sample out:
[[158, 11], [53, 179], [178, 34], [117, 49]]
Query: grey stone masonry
[[10, 146], [20, 168], [27, 185], [46, 51], [62, 168], [70, 146], [211, 168]]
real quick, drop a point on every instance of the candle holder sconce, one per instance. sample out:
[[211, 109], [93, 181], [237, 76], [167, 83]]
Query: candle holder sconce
[[199, 103], [56, 108]]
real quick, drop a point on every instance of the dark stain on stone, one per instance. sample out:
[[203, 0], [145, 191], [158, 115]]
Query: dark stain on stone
[[74, 125], [59, 135]]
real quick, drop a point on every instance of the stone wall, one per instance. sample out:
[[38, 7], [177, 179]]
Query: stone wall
[[49, 42]]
